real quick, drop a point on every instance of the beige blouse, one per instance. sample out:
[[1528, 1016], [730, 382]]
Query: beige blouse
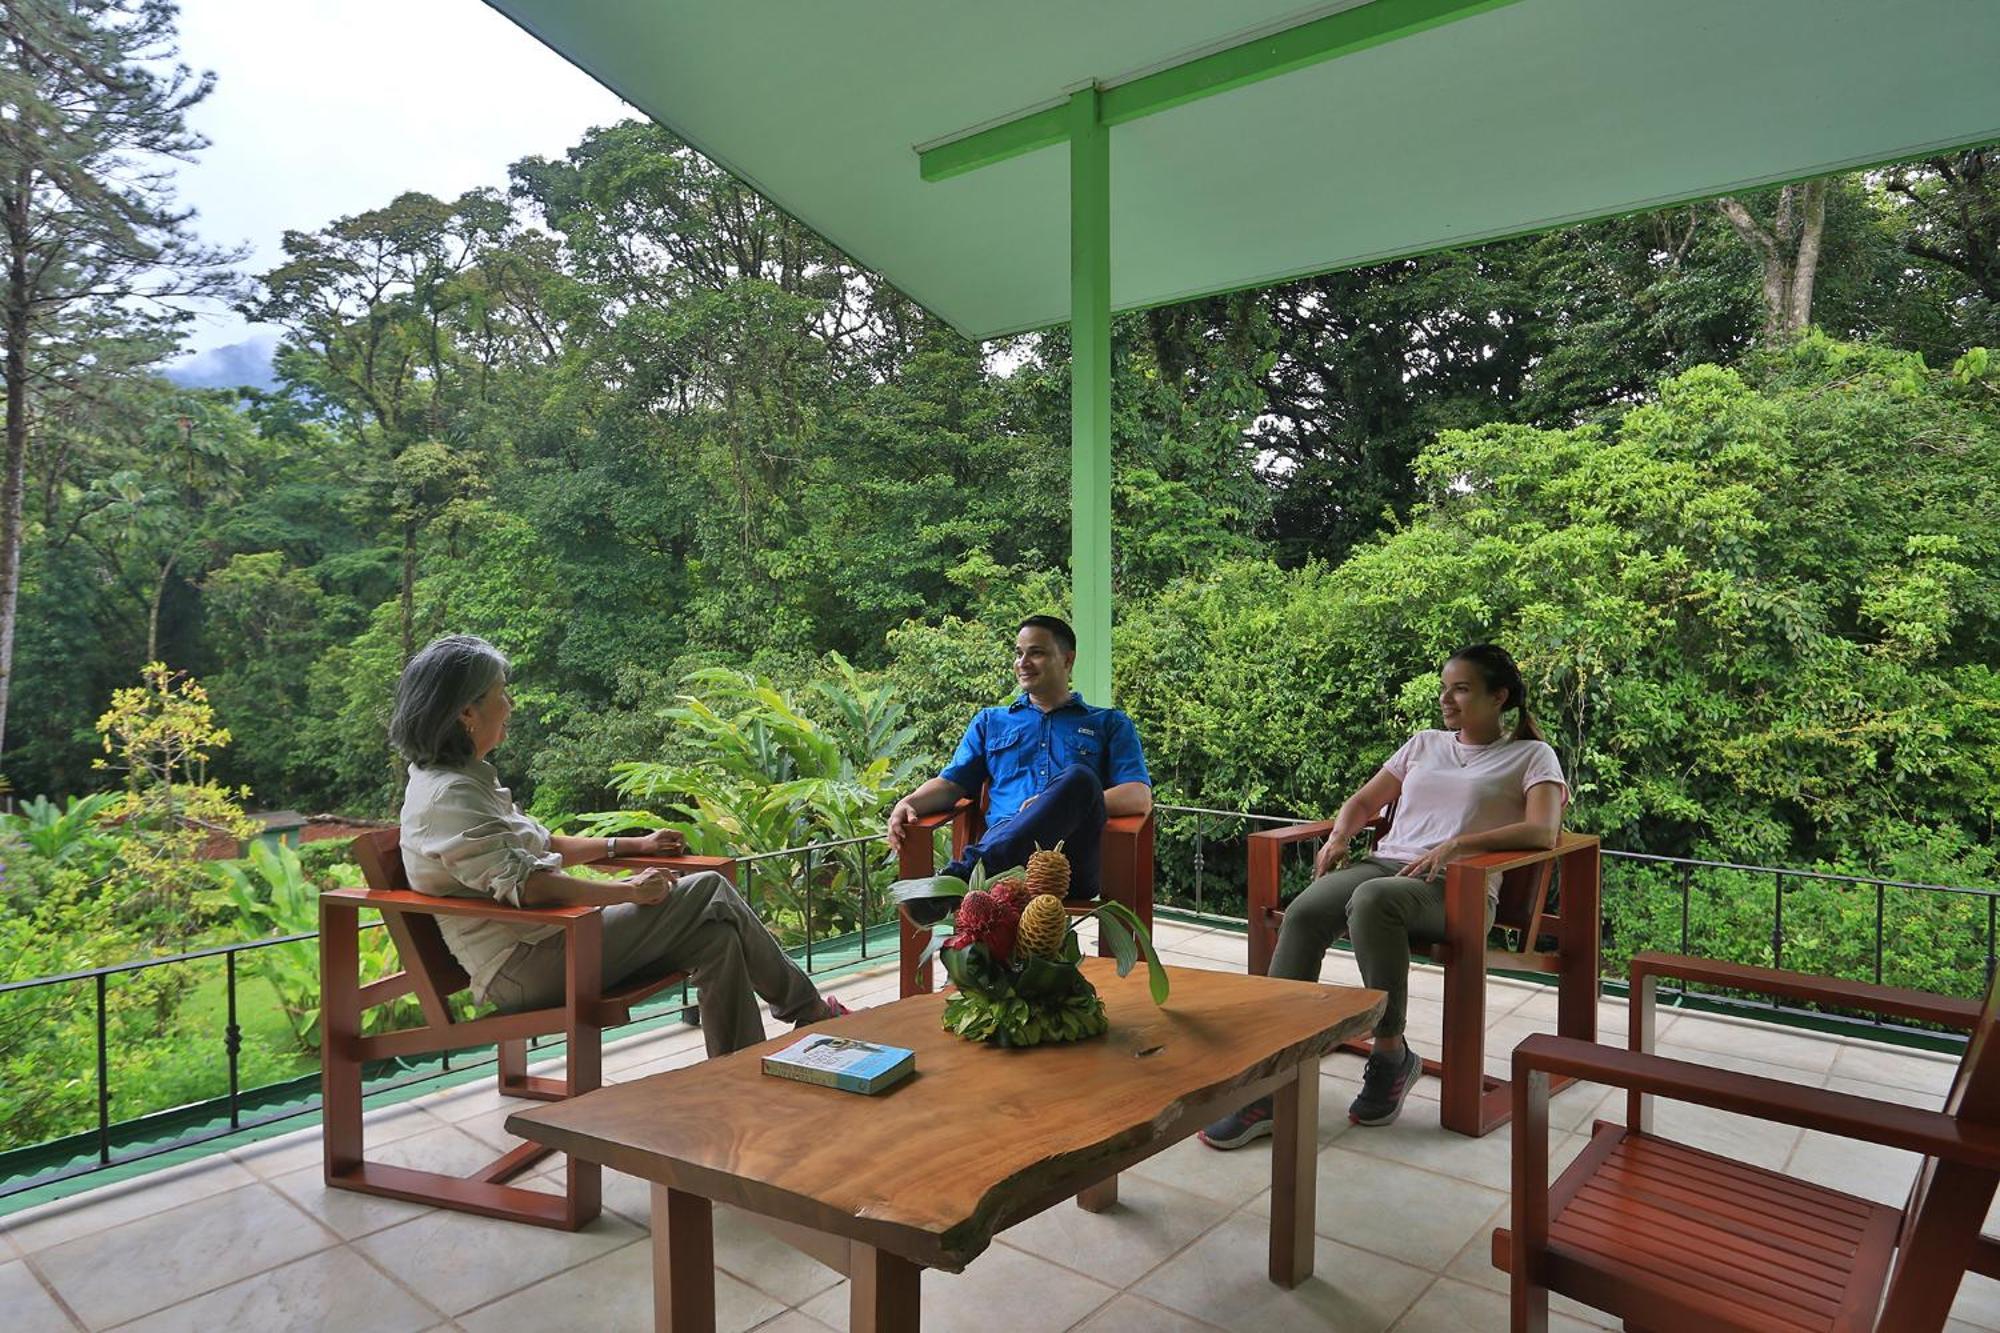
[[463, 837]]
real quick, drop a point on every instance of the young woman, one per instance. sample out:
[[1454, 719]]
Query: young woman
[[463, 836], [1473, 786]]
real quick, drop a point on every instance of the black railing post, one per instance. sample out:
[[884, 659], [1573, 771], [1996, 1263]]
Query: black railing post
[[1991, 899], [809, 909], [103, 1082], [1777, 924], [1200, 861], [232, 1039], [1878, 934], [861, 869]]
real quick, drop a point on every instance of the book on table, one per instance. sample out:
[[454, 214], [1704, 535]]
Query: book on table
[[846, 1063]]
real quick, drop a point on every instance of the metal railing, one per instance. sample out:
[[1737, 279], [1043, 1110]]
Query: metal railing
[[225, 1116], [854, 935]]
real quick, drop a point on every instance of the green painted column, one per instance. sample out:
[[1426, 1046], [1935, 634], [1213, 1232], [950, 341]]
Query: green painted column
[[1090, 393]]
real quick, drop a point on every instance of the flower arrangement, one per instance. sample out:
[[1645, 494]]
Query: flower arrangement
[[1012, 951]]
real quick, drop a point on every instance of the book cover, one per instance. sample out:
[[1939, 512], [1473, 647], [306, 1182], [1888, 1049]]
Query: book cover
[[846, 1063]]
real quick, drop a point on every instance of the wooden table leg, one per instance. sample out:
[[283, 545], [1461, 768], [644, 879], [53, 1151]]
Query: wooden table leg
[[683, 1262], [1294, 1173], [1096, 1198], [882, 1292]]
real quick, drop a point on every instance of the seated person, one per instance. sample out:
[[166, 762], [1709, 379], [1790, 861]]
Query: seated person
[[1458, 791], [1056, 768], [463, 837]]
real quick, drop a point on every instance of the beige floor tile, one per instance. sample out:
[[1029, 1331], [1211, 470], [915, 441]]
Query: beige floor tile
[[1854, 1167], [676, 1059], [348, 1213], [1176, 958], [1002, 1286], [111, 1276], [1457, 1307], [1419, 1217], [27, 1304], [51, 1224], [280, 1156], [608, 1295], [1738, 1062], [1222, 1278], [333, 1290], [1741, 1138], [1231, 1178], [1763, 1042], [748, 1251], [1978, 1302], [448, 1149], [1886, 1092], [1918, 1070], [1133, 1314], [1474, 1265], [1417, 1139], [1225, 946], [1148, 1224], [793, 1321], [457, 1261]]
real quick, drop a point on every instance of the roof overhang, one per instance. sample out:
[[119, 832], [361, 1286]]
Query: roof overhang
[[1460, 122]]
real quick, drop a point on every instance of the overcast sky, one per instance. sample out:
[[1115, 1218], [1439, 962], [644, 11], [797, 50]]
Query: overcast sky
[[324, 108]]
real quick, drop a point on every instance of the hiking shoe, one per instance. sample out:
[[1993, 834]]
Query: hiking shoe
[[1239, 1127], [1384, 1085]]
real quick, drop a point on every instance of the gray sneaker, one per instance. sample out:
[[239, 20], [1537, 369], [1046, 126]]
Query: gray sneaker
[[1239, 1127], [1385, 1082]]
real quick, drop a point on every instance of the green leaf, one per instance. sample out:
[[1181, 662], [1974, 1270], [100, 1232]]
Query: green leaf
[[1120, 940]]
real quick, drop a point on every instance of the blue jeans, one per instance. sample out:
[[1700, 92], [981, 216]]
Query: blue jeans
[[1070, 810]]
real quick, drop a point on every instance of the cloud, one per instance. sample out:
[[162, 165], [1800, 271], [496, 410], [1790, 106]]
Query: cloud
[[244, 364]]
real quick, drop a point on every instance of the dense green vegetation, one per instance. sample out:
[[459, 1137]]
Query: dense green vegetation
[[755, 531]]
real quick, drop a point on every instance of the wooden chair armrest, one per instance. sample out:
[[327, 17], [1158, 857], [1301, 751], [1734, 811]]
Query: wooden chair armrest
[[1930, 1133], [941, 818], [1920, 1006], [1291, 833], [1526, 856], [409, 900], [688, 864], [1131, 825]]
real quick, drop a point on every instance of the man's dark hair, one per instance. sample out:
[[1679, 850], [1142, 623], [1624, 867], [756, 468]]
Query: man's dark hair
[[1065, 637], [435, 688]]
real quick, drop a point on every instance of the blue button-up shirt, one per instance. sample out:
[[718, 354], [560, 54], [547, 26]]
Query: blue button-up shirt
[[1019, 750]]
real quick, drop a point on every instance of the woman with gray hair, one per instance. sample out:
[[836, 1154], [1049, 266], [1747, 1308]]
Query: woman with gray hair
[[464, 837]]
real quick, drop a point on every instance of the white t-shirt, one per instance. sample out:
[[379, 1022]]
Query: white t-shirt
[[1450, 789]]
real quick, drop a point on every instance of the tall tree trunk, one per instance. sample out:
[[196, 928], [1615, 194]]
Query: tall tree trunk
[[153, 612], [1788, 252], [13, 487], [409, 591]]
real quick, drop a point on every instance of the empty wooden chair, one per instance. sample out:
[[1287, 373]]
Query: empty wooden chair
[[435, 976], [1471, 1101], [1125, 874], [1670, 1237]]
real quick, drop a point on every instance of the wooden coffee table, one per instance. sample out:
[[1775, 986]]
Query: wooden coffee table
[[923, 1176]]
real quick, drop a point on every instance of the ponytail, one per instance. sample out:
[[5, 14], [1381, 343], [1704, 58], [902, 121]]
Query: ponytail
[[1496, 667]]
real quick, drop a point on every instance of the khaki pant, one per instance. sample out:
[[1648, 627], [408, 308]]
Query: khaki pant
[[703, 928], [1382, 912]]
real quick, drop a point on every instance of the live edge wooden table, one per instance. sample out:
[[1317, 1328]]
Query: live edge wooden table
[[978, 1139]]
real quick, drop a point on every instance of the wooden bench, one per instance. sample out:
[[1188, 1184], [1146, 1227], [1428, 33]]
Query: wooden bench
[[1472, 1102], [429, 970], [1125, 875], [1672, 1238]]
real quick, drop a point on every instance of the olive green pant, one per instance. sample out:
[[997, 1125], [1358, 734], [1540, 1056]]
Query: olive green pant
[[1382, 912]]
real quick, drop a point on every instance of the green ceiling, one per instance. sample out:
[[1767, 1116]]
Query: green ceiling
[[1524, 117]]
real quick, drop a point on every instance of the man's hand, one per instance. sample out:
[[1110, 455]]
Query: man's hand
[[651, 885], [900, 820], [1431, 865], [1332, 856], [660, 842]]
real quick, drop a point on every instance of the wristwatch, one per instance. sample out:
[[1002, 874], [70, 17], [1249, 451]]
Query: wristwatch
[[611, 849]]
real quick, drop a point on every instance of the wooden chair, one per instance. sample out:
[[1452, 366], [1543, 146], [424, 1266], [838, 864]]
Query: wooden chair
[[435, 976], [1125, 874], [1472, 1102], [1671, 1238]]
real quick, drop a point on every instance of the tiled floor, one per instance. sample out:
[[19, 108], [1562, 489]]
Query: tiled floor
[[251, 1240]]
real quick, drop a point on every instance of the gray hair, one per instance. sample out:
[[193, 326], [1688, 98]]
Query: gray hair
[[435, 688]]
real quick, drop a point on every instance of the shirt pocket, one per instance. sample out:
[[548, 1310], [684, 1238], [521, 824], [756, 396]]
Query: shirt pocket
[[1087, 751]]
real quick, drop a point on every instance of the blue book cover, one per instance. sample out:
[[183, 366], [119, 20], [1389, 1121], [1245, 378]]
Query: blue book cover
[[846, 1063]]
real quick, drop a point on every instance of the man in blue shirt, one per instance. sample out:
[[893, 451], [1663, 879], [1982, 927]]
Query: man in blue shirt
[[1054, 768]]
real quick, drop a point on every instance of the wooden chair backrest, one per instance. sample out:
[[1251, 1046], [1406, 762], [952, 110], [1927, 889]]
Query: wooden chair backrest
[[419, 941], [1524, 893]]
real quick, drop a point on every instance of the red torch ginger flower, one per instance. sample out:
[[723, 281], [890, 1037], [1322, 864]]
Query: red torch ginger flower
[[984, 919]]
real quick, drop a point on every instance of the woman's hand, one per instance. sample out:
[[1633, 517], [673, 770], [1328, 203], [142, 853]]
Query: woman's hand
[[660, 842], [1332, 856], [1431, 865], [651, 885]]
